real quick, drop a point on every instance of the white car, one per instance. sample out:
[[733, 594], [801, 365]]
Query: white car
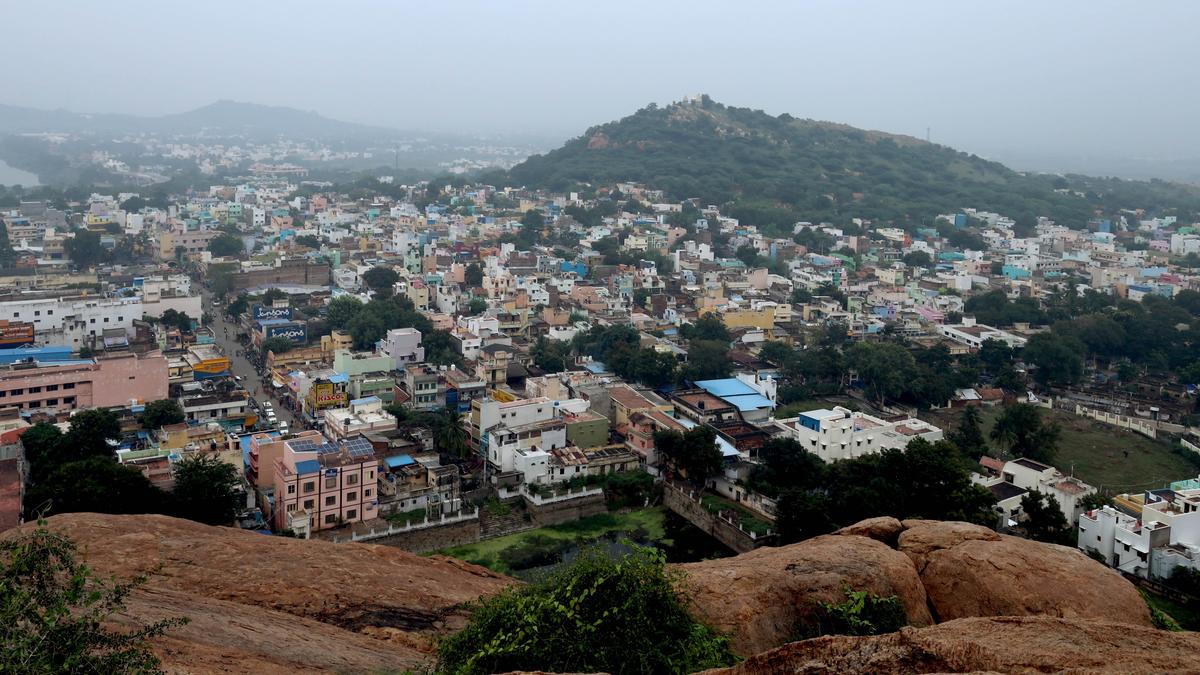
[[283, 428]]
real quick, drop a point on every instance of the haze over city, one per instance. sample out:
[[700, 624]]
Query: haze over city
[[644, 338], [1029, 83]]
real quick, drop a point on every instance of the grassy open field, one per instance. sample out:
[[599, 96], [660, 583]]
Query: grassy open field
[[1187, 616], [488, 552], [1109, 458]]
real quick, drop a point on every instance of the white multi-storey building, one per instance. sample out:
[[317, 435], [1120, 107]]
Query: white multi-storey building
[[1165, 537], [74, 321], [841, 433]]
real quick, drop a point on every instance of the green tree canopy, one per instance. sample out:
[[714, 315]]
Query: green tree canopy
[[707, 360], [378, 278], [272, 295], [55, 613], [923, 480], [309, 240], [473, 276], [206, 490], [693, 452], [1021, 429], [886, 368], [597, 615], [95, 484], [158, 414], [1044, 519], [84, 248], [226, 244], [279, 345]]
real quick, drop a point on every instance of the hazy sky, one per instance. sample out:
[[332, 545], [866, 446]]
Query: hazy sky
[[1087, 77]]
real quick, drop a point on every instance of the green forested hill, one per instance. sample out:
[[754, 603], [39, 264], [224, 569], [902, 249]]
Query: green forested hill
[[778, 170]]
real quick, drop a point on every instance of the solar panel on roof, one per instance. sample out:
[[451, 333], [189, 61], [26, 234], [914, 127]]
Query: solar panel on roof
[[360, 447]]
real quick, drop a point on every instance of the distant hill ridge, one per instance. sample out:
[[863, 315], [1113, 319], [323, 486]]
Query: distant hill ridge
[[781, 169], [223, 115]]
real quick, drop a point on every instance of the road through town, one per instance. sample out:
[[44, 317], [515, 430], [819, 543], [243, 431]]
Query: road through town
[[225, 333]]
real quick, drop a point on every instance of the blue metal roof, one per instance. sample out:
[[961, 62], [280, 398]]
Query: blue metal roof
[[54, 353], [729, 386], [596, 367], [339, 378], [397, 461], [365, 399], [308, 466], [750, 402]]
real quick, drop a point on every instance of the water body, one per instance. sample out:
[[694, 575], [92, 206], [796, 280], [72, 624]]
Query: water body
[[682, 542], [10, 175]]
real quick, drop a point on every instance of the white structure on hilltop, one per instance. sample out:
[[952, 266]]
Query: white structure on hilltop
[[841, 433]]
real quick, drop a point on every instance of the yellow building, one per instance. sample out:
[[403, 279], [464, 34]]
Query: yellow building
[[207, 361], [749, 318], [322, 395]]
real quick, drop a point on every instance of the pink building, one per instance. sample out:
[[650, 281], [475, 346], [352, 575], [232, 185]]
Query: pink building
[[320, 486], [108, 381]]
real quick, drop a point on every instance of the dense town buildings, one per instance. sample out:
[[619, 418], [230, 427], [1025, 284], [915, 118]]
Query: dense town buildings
[[367, 358]]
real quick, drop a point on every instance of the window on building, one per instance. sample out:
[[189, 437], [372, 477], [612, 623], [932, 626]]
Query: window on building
[[69, 385], [330, 519], [352, 513], [70, 400], [310, 486], [18, 392], [51, 401], [52, 387], [367, 493], [308, 504], [331, 482], [371, 475], [351, 496], [291, 508], [291, 489], [352, 479], [330, 500]]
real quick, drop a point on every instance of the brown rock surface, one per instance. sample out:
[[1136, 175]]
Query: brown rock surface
[[922, 537], [766, 596], [997, 644], [351, 604], [1010, 576], [885, 528]]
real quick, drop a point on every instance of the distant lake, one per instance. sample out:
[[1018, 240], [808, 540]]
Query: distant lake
[[14, 176]]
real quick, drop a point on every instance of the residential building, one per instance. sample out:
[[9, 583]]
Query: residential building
[[320, 486], [842, 434], [363, 416]]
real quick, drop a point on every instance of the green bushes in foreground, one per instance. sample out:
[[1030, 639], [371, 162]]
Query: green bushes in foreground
[[597, 615]]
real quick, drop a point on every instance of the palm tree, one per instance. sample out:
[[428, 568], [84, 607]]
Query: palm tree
[[449, 435]]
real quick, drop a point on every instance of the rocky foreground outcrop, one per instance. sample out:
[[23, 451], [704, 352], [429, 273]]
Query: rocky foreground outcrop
[[939, 571], [1036, 644], [259, 604]]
